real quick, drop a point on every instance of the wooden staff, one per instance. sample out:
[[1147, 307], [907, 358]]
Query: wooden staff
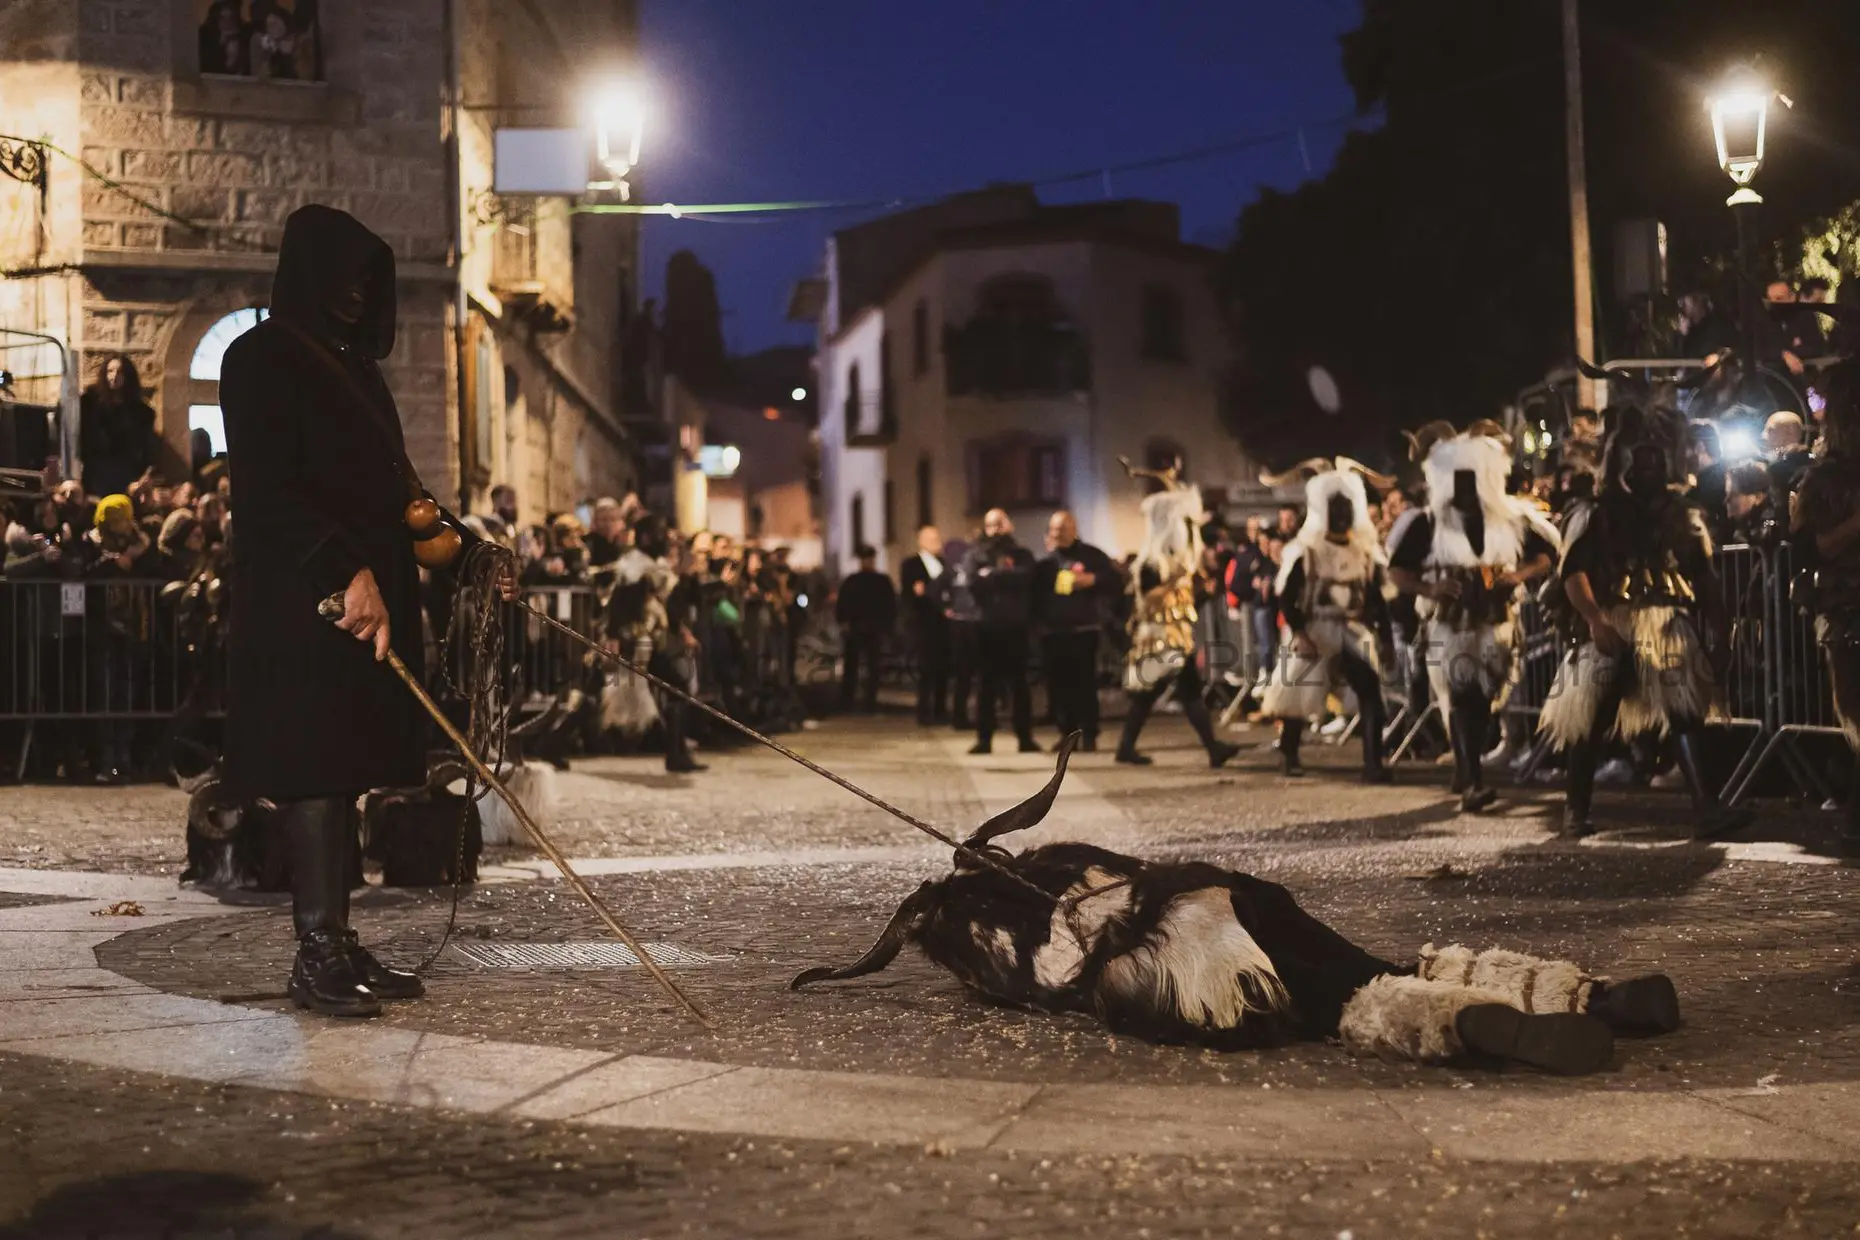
[[331, 609]]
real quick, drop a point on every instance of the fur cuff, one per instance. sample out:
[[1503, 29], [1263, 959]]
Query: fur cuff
[[1526, 982], [1409, 1018]]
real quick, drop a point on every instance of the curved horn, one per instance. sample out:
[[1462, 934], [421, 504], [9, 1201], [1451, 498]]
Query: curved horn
[[1029, 812], [1421, 441], [1167, 476], [1489, 429], [1297, 473], [897, 933], [1375, 477]]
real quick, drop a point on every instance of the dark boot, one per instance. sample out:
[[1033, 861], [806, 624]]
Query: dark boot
[[1580, 790], [1714, 818], [1028, 744], [1134, 719], [1291, 731], [1639, 1005], [386, 983], [1219, 751], [678, 759], [1471, 721], [1850, 830], [1566, 1043], [320, 839], [326, 978], [1374, 772]]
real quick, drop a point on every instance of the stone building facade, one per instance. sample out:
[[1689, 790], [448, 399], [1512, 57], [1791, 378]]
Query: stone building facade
[[991, 351], [168, 187]]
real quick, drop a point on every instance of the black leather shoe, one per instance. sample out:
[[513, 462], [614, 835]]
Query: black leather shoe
[[982, 747], [1576, 823], [1130, 757], [386, 984], [1566, 1043], [326, 979], [1221, 754], [684, 765], [1477, 800], [1639, 1005], [1029, 745]]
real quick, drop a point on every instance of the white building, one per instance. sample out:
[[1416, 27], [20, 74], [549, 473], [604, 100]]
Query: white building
[[988, 351]]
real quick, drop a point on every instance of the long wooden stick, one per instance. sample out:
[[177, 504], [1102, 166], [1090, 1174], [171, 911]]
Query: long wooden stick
[[535, 832]]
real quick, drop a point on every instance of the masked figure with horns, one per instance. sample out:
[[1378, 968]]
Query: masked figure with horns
[[1826, 526], [1183, 952], [1162, 621], [1463, 557], [1637, 577], [1334, 609]]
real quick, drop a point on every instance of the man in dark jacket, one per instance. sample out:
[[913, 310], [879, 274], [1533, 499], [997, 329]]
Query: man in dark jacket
[[1071, 588], [312, 718], [1000, 576], [924, 582], [866, 609]]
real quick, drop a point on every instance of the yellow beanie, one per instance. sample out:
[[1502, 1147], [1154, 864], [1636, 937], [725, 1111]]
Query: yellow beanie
[[114, 503]]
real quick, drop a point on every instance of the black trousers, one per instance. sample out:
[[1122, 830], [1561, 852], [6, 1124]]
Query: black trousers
[[932, 632], [1001, 656], [1071, 659], [964, 663], [860, 649]]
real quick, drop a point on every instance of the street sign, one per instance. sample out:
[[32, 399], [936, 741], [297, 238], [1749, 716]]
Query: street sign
[[70, 600]]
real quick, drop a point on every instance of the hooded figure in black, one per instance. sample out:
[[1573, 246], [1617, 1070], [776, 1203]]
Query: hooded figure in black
[[313, 719]]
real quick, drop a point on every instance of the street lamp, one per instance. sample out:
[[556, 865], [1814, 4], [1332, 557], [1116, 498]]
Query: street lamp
[[617, 116], [1739, 126]]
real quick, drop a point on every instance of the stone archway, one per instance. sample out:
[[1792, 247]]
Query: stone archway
[[202, 330]]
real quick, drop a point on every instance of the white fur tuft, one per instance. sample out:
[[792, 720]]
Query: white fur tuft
[[533, 784], [1079, 918], [1203, 967], [1672, 682]]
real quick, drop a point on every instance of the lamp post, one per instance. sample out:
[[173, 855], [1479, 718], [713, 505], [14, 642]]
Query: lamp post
[[1739, 125]]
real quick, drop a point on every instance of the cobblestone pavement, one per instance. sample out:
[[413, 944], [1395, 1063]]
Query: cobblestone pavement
[[1766, 955]]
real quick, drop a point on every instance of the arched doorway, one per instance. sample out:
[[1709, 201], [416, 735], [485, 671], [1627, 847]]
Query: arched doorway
[[203, 372]]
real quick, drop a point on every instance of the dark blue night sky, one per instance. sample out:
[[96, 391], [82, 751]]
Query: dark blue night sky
[[756, 100]]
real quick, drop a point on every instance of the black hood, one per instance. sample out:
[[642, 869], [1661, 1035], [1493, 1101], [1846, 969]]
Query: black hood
[[323, 249]]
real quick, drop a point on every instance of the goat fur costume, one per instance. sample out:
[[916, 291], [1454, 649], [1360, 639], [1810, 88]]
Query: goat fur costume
[[1331, 588], [1190, 953], [1162, 626]]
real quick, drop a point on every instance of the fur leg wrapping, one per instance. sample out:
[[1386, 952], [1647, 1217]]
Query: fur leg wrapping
[[1462, 658], [1298, 687], [1409, 1018], [1525, 982], [1672, 681]]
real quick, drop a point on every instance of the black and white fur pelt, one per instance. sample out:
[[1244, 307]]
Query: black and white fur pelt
[[1193, 954], [228, 847], [414, 833], [1154, 950]]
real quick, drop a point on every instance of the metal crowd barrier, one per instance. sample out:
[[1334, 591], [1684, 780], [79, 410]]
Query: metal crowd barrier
[[91, 650], [1776, 682]]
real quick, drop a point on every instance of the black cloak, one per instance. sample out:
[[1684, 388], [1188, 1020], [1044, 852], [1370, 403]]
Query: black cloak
[[314, 441]]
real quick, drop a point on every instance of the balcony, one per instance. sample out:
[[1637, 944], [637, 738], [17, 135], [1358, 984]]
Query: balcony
[[1005, 356], [871, 421], [517, 272]]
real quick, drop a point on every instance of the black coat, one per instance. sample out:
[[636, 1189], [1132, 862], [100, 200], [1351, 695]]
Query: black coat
[[309, 712], [1084, 607], [999, 572]]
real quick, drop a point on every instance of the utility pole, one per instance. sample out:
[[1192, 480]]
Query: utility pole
[[1588, 390]]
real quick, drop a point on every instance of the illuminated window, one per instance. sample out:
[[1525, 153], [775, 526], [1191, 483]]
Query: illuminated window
[[203, 371]]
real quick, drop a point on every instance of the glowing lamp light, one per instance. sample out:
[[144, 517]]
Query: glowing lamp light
[[617, 115], [1736, 444], [799, 393], [1740, 113]]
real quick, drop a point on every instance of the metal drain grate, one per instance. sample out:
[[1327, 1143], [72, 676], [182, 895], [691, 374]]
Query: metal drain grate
[[596, 955]]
